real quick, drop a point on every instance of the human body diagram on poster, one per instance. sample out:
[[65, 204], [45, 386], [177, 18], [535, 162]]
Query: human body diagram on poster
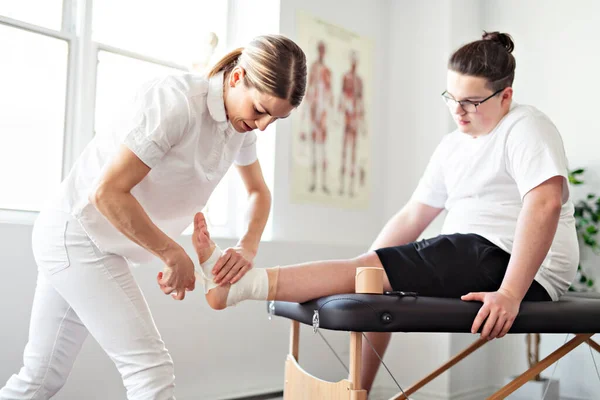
[[331, 138]]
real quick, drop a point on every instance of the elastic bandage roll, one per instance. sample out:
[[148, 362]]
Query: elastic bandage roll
[[254, 285]]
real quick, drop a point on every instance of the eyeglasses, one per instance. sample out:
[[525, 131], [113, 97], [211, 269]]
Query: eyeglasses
[[468, 106]]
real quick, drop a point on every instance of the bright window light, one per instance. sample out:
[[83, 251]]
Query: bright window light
[[33, 78], [168, 30], [46, 13]]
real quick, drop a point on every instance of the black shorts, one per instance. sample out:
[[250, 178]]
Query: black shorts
[[450, 266]]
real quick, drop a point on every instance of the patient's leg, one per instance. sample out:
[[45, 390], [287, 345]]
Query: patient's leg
[[295, 283]]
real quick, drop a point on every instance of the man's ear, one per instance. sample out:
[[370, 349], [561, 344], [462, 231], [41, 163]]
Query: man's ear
[[507, 94]]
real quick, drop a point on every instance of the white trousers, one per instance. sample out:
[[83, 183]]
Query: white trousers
[[79, 290]]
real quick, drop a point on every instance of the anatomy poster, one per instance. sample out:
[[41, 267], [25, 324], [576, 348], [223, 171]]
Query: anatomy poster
[[332, 130]]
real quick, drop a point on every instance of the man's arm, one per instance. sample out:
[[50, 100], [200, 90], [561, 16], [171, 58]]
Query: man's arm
[[535, 231], [407, 225]]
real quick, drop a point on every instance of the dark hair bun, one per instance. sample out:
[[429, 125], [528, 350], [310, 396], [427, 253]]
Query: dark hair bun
[[502, 38]]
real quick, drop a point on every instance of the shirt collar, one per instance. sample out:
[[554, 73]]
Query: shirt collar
[[215, 103]]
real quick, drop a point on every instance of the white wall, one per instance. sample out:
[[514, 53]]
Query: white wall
[[343, 226], [419, 47], [416, 120], [557, 71]]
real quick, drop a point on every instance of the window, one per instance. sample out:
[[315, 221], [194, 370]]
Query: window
[[70, 63], [46, 13], [168, 30], [33, 78]]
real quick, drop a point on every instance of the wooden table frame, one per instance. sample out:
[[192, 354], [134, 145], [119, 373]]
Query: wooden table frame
[[300, 385]]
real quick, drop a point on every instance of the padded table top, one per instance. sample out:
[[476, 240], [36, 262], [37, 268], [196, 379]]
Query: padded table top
[[573, 313]]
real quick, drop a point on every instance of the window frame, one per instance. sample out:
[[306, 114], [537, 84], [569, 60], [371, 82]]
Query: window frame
[[76, 30], [67, 35]]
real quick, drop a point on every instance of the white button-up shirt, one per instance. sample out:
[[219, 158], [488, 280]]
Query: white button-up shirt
[[178, 127]]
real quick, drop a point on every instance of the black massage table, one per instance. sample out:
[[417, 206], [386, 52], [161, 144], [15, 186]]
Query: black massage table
[[576, 313]]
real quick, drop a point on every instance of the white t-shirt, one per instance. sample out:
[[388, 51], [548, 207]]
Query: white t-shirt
[[178, 127], [482, 182]]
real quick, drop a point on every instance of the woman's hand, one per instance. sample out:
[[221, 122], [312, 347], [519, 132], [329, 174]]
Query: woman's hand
[[178, 274], [232, 265]]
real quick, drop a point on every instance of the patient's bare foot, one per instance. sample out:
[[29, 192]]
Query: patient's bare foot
[[204, 246]]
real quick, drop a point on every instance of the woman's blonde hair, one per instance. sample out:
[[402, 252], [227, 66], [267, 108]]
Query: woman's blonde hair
[[274, 65]]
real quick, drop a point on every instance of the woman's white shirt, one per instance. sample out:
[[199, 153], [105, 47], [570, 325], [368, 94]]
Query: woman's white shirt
[[177, 126]]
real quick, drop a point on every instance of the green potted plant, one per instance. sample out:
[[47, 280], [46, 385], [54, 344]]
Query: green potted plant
[[587, 223]]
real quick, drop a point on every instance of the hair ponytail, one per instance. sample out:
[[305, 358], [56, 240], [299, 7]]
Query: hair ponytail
[[503, 39], [227, 62]]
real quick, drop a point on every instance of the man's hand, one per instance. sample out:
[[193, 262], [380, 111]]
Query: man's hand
[[232, 265], [500, 308]]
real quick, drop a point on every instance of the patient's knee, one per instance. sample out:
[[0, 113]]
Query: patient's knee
[[369, 259]]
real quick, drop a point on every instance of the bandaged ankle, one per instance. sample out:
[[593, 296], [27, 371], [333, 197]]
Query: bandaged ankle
[[254, 285], [205, 270]]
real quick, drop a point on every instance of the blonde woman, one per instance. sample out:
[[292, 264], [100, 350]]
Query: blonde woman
[[129, 194]]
